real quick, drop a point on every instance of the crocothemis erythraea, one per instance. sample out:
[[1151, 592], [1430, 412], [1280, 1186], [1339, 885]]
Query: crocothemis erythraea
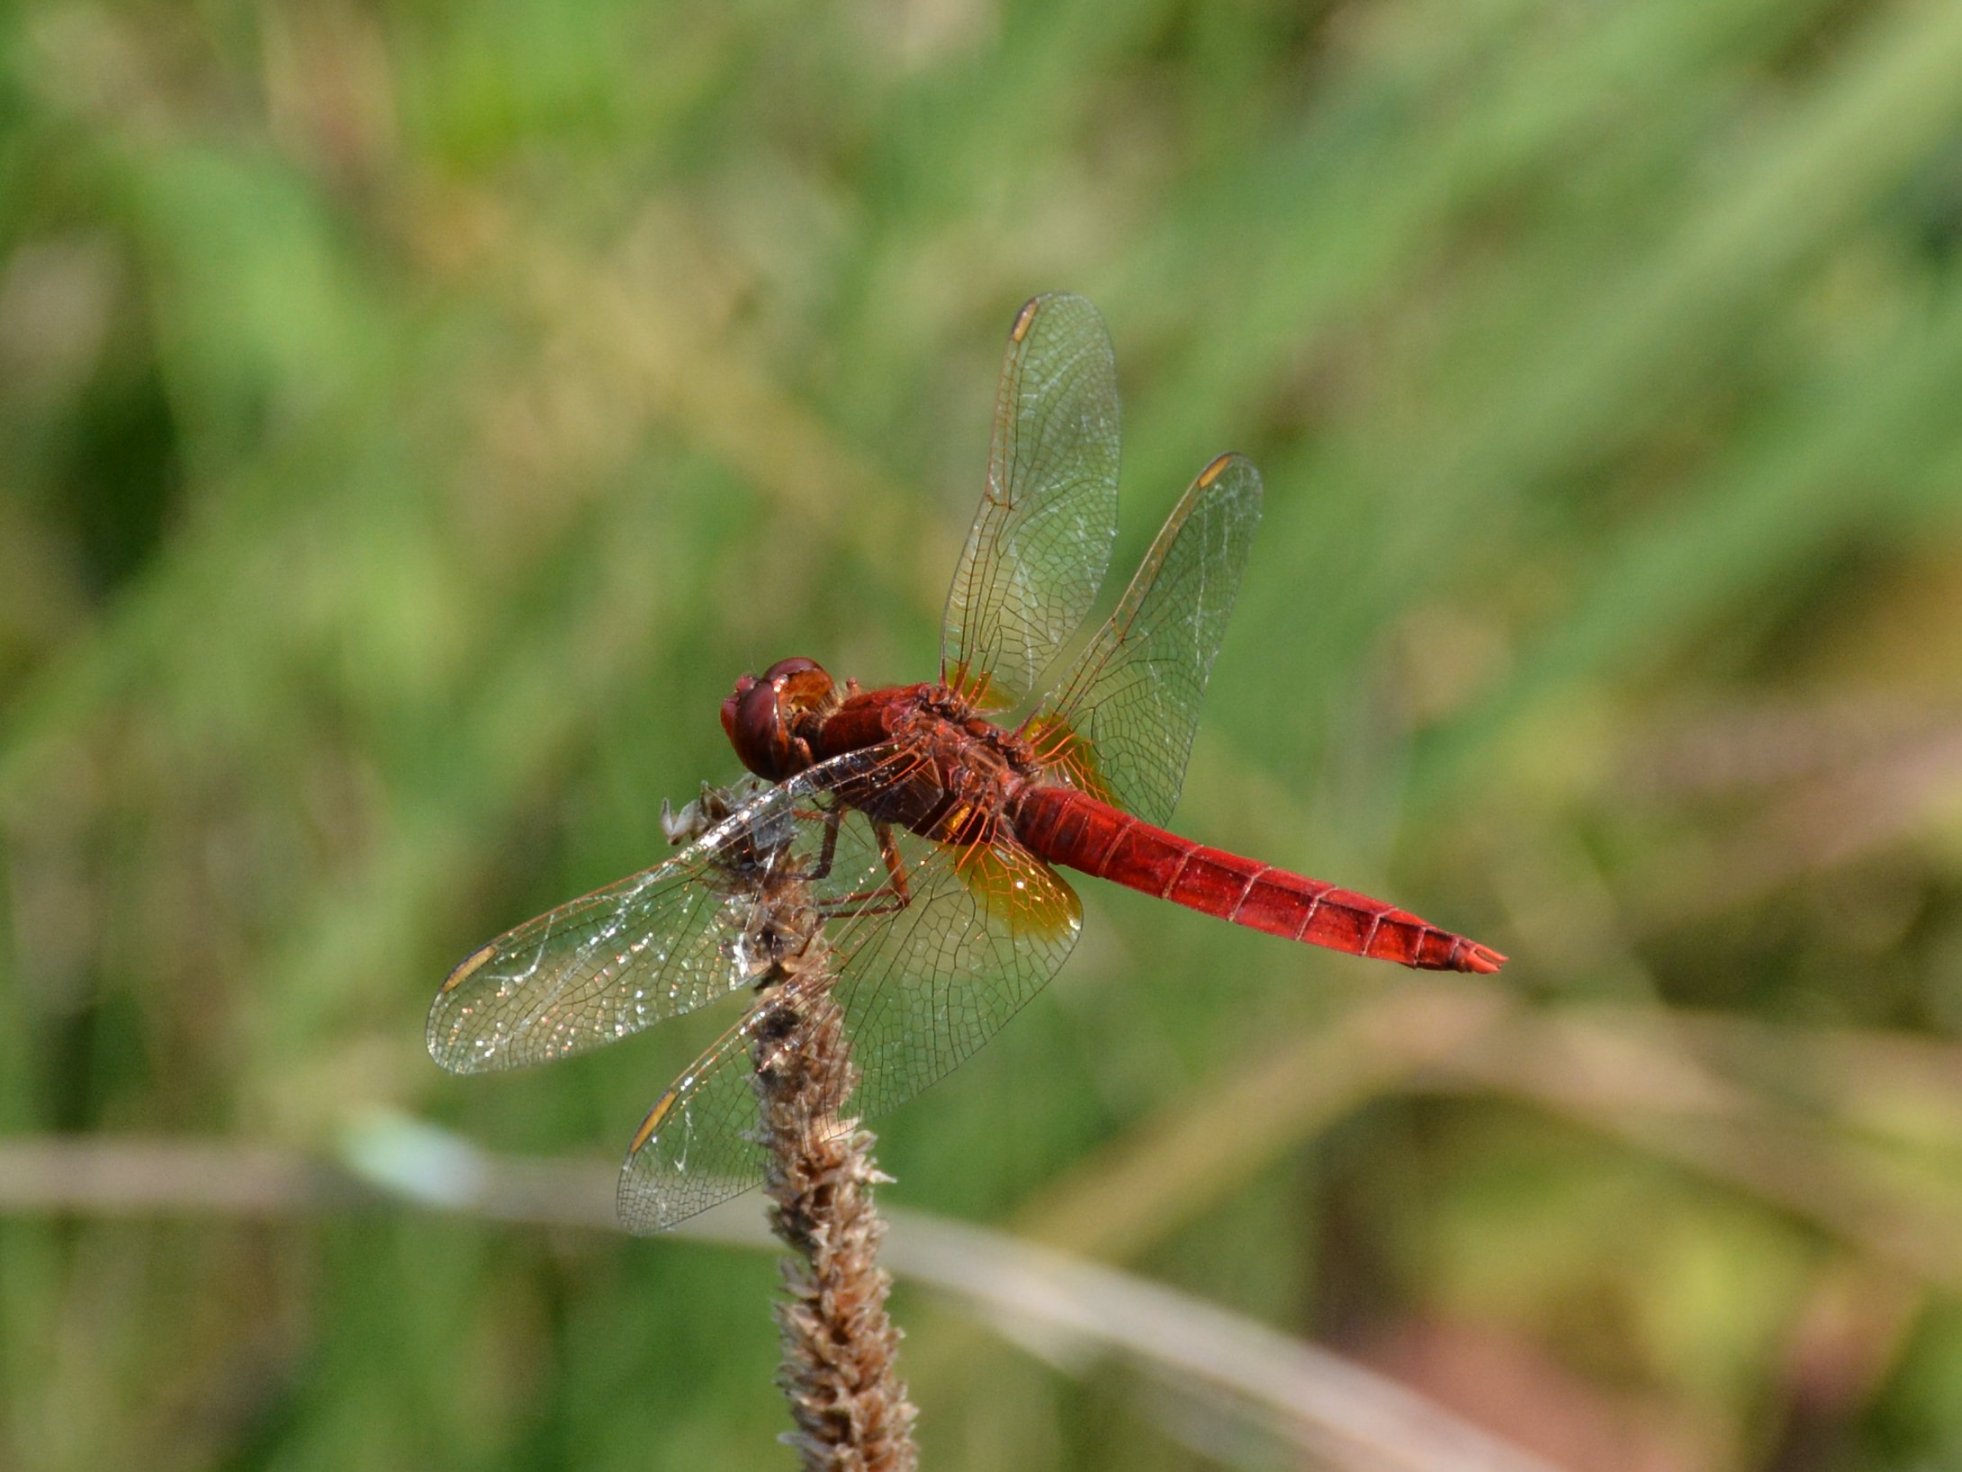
[[927, 822]]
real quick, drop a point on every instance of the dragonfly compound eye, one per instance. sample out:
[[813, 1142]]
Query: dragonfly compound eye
[[802, 687], [761, 717], [733, 705], [757, 729]]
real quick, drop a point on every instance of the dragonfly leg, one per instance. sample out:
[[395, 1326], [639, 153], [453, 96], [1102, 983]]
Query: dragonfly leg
[[833, 816], [889, 898]]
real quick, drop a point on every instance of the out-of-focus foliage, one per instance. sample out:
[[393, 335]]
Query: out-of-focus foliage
[[412, 418]]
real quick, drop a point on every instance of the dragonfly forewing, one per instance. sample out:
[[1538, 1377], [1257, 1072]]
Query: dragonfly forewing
[[652, 946], [1041, 541]]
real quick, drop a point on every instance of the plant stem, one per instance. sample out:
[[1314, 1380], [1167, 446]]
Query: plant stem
[[840, 1347]]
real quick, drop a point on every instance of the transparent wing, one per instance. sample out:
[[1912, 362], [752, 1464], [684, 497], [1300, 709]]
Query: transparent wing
[[1041, 540], [652, 946], [924, 988], [921, 988], [1121, 722], [698, 1145]]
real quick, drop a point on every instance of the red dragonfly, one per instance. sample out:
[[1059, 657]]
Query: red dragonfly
[[916, 795]]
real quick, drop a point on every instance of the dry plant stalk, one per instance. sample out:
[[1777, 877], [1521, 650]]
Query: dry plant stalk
[[840, 1348]]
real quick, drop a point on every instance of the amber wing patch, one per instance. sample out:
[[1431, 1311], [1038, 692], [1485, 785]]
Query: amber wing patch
[[1020, 891]]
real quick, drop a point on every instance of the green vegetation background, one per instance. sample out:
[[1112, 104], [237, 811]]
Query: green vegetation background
[[413, 417]]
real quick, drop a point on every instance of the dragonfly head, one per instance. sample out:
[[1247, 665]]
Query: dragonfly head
[[765, 714]]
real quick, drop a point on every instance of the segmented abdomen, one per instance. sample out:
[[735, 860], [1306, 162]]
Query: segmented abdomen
[[1067, 827]]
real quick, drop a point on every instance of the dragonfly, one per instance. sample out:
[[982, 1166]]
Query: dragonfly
[[929, 823]]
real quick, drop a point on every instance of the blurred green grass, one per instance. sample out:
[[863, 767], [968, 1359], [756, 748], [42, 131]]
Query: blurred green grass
[[412, 419]]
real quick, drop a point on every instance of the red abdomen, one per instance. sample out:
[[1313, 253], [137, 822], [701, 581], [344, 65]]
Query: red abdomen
[[1067, 827]]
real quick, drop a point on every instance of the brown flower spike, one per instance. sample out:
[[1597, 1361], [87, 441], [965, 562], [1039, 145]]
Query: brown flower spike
[[840, 1348]]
